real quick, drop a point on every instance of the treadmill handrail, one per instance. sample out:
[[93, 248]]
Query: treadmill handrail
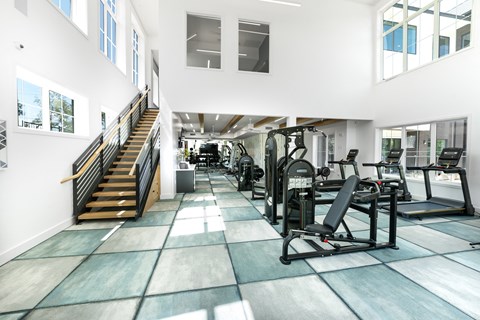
[[382, 164], [438, 168]]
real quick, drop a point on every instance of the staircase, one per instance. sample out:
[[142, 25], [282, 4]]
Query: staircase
[[115, 195]]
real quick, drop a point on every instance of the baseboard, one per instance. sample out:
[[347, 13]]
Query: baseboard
[[167, 196], [33, 241]]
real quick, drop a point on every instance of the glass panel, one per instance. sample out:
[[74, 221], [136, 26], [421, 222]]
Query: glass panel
[[68, 123], [420, 29], [104, 121], [203, 42], [55, 122], [416, 5], [67, 106], [443, 46], [102, 26], [392, 63], [391, 139], [417, 147], [29, 105], [452, 134], [394, 13], [455, 21], [331, 149], [321, 151], [253, 46], [55, 102]]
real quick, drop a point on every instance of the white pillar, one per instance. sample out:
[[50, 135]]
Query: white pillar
[[167, 152]]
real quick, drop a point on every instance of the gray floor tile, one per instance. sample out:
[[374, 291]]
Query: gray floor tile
[[217, 303], [457, 229], [240, 231], [342, 261], [192, 268], [196, 232], [92, 225], [427, 220], [255, 261], [472, 222], [198, 212], [229, 195], [352, 223], [460, 286], [233, 203], [151, 218], [383, 220], [196, 204], [24, 283], [224, 189], [105, 277], [179, 196], [244, 213], [67, 243], [296, 298], [135, 239], [198, 196], [13, 316], [433, 240], [165, 205], [470, 259], [118, 309], [377, 292]]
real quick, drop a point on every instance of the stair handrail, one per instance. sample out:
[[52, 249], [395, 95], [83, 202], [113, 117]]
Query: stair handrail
[[144, 147], [106, 142]]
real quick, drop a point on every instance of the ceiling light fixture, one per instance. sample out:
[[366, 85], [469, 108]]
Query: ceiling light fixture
[[193, 130], [287, 3], [250, 23], [235, 126], [208, 64], [208, 51], [186, 115], [229, 131], [216, 118], [279, 119], [191, 37], [242, 54], [254, 32], [191, 125]]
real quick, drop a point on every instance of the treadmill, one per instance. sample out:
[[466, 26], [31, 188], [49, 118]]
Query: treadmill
[[393, 161], [434, 206], [350, 160]]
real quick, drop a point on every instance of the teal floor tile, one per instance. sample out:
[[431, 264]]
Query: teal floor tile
[[13, 316], [383, 220], [123, 309], [377, 292], [470, 259], [135, 239], [459, 285], [151, 218], [196, 232], [212, 304], [165, 205], [105, 277], [457, 229], [244, 213], [67, 243], [256, 261], [229, 195], [196, 204]]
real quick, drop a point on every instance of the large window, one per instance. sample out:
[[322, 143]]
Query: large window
[[423, 143], [61, 113], [135, 58], [75, 10], [204, 42], [29, 105], [108, 29], [430, 29], [64, 5], [253, 46]]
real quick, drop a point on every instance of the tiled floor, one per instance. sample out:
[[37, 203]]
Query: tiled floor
[[211, 255]]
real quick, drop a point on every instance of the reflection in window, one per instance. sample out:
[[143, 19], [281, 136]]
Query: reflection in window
[[394, 40], [61, 113], [418, 145], [29, 105], [64, 5], [443, 46], [203, 42], [253, 46]]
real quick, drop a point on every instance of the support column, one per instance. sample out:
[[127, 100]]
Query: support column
[[167, 154]]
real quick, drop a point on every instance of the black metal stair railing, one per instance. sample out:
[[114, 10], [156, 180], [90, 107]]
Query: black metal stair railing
[[90, 168]]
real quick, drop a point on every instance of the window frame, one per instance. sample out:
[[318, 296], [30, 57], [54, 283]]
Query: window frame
[[135, 57], [108, 26]]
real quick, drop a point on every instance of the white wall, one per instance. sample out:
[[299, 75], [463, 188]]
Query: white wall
[[321, 60], [33, 203]]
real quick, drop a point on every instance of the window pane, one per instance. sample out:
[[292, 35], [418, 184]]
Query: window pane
[[391, 139], [331, 149], [443, 46], [67, 106], [29, 105], [68, 124], [455, 20], [321, 151], [424, 48], [55, 102], [417, 147], [452, 134], [203, 42], [253, 46], [55, 122]]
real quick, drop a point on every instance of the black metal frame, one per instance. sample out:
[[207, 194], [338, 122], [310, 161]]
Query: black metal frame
[[350, 160], [357, 244], [86, 184]]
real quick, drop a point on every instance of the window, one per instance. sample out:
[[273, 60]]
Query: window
[[331, 149], [29, 105], [44, 106], [104, 121], [321, 151], [423, 144], [61, 113], [203, 42], [253, 46], [64, 5], [108, 29], [431, 25], [135, 58]]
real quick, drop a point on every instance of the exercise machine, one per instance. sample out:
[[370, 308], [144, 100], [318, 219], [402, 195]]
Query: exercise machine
[[348, 161], [248, 172], [274, 167], [326, 233], [434, 206], [393, 162]]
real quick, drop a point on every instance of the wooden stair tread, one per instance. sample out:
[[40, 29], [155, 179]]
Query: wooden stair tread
[[116, 184], [119, 176], [111, 203], [126, 157], [123, 162], [114, 193], [107, 215], [119, 169]]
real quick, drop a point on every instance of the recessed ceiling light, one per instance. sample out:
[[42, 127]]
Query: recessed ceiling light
[[254, 32], [287, 3], [235, 126], [186, 115], [242, 54], [191, 37], [191, 125], [229, 131], [279, 119], [208, 51], [208, 64], [193, 130], [250, 23], [216, 118]]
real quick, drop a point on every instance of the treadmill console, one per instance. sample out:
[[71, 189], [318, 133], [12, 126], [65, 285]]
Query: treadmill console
[[450, 157], [394, 156], [352, 154]]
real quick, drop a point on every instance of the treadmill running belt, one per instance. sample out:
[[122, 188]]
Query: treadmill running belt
[[420, 206]]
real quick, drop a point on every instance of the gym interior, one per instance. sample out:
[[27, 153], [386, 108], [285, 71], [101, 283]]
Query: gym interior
[[239, 159]]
